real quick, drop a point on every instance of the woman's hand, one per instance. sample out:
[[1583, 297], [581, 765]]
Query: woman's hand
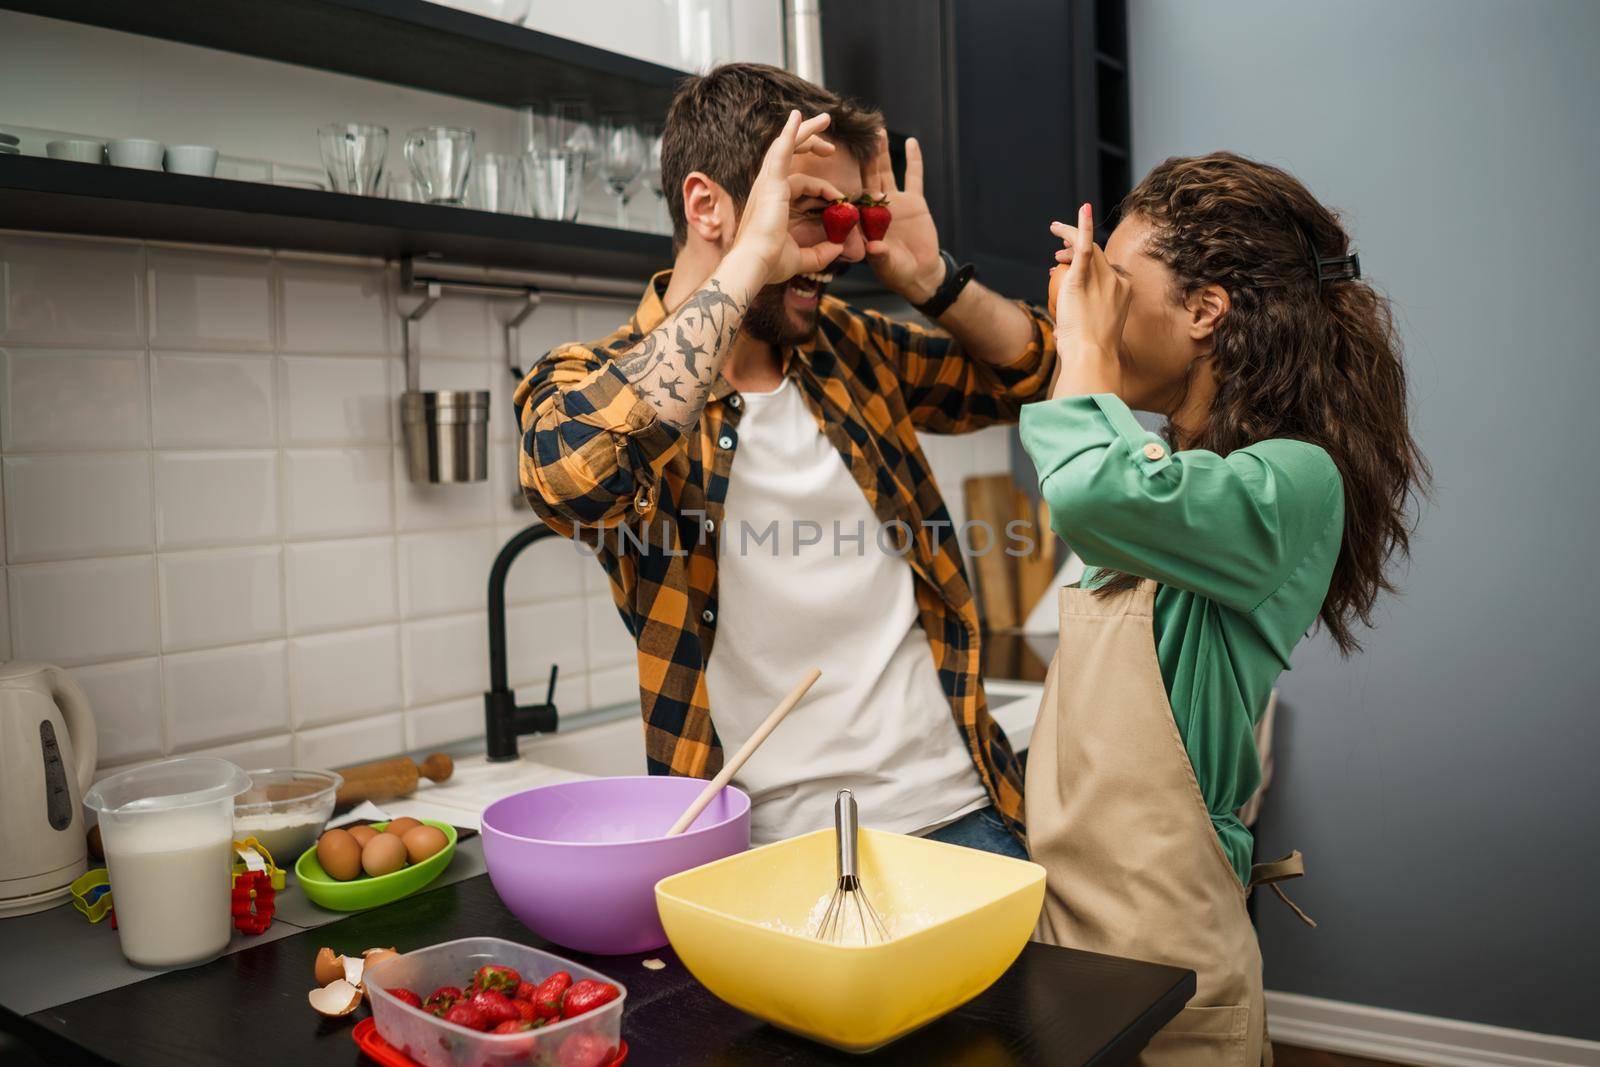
[[1091, 305], [763, 232], [1091, 297]]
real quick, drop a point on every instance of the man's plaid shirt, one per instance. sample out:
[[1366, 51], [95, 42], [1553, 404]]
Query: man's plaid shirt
[[595, 459]]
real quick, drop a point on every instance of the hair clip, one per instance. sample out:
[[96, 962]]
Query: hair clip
[[1336, 268]]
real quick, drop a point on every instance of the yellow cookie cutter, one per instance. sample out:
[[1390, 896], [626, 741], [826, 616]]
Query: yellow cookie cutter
[[252, 855], [91, 894]]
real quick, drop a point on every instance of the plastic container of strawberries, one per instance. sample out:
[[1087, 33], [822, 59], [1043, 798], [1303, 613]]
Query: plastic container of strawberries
[[589, 1040]]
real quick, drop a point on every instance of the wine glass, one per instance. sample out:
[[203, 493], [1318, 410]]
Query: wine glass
[[622, 157], [652, 171]]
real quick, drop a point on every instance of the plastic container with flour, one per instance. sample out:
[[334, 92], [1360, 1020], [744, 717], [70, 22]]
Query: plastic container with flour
[[168, 834]]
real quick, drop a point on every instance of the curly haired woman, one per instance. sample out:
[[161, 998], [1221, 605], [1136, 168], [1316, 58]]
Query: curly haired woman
[[1228, 300]]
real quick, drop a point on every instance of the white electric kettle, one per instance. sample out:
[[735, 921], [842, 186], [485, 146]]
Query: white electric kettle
[[47, 756]]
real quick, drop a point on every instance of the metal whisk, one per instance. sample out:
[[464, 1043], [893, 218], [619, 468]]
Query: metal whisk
[[849, 898]]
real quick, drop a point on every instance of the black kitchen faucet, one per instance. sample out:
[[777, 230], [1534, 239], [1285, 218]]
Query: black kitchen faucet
[[504, 721]]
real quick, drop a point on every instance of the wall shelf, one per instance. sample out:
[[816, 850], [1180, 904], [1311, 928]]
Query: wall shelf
[[57, 196], [405, 42]]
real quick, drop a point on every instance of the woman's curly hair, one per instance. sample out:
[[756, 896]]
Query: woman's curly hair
[[1293, 358]]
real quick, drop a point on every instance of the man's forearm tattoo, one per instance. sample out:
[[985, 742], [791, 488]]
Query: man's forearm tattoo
[[685, 349]]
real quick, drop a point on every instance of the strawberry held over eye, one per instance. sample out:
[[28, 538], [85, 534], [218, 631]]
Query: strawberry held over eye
[[838, 219], [875, 218]]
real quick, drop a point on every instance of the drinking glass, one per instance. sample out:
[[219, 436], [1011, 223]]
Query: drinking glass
[[571, 128], [554, 182], [405, 189], [441, 159], [496, 183], [353, 155], [622, 155]]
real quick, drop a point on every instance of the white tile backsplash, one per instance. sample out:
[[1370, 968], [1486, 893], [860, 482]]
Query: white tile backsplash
[[343, 675], [221, 597], [445, 571], [54, 400], [340, 584], [347, 743], [445, 658], [329, 400], [330, 307], [443, 724], [338, 492], [75, 506], [215, 498], [610, 644], [126, 700], [213, 401], [225, 694], [86, 611], [210, 300], [206, 516], [72, 292]]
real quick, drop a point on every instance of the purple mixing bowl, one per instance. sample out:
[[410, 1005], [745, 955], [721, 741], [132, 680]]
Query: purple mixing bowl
[[578, 862]]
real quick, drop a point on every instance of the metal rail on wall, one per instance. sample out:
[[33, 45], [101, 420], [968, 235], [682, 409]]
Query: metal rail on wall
[[447, 431]]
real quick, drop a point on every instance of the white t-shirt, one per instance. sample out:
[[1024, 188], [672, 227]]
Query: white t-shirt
[[878, 720]]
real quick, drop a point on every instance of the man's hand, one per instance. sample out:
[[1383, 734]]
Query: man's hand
[[907, 259], [763, 233]]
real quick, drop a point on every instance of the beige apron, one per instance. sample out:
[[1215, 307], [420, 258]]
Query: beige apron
[[1117, 819]]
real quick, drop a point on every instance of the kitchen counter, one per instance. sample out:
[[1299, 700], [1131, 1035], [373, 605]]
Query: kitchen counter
[[1054, 1006]]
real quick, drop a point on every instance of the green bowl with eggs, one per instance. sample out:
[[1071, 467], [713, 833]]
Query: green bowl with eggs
[[366, 891]]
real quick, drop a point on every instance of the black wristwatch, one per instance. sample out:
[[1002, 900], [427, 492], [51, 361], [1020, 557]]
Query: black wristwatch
[[955, 280]]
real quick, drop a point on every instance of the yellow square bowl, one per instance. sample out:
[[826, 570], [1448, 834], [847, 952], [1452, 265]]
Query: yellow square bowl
[[957, 918]]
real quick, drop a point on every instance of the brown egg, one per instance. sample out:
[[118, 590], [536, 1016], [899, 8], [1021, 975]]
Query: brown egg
[[423, 841], [363, 834], [399, 826], [384, 854], [339, 854]]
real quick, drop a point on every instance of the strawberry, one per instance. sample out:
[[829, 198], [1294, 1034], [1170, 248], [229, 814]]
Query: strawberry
[[875, 219], [587, 995], [525, 990], [547, 996], [496, 1007], [838, 219], [492, 976], [466, 1014], [406, 996], [511, 1026], [585, 1050], [443, 999]]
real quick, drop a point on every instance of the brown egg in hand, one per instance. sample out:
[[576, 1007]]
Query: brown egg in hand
[[424, 841], [339, 854], [363, 834], [399, 826], [384, 854]]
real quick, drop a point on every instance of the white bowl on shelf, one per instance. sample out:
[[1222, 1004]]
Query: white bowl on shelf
[[197, 159], [136, 153], [78, 150]]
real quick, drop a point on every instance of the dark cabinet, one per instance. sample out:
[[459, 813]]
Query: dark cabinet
[[1021, 108]]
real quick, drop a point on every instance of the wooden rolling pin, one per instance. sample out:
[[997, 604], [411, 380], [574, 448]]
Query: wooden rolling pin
[[390, 778]]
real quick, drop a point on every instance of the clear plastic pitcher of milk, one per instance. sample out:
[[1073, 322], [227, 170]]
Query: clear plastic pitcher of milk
[[167, 830]]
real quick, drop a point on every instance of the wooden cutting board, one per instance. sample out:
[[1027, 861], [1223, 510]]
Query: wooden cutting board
[[1009, 582]]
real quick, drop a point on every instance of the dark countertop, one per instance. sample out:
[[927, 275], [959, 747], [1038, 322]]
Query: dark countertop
[[1054, 1006]]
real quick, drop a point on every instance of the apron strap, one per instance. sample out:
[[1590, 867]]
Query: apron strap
[[1281, 870]]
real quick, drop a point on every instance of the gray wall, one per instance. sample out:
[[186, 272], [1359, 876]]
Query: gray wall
[[1443, 783]]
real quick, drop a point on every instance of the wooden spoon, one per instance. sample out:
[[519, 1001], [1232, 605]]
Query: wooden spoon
[[730, 768]]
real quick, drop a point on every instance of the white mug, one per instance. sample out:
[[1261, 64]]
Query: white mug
[[136, 153], [195, 159]]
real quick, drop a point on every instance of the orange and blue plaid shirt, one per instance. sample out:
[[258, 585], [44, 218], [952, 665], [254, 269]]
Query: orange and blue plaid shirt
[[598, 465]]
